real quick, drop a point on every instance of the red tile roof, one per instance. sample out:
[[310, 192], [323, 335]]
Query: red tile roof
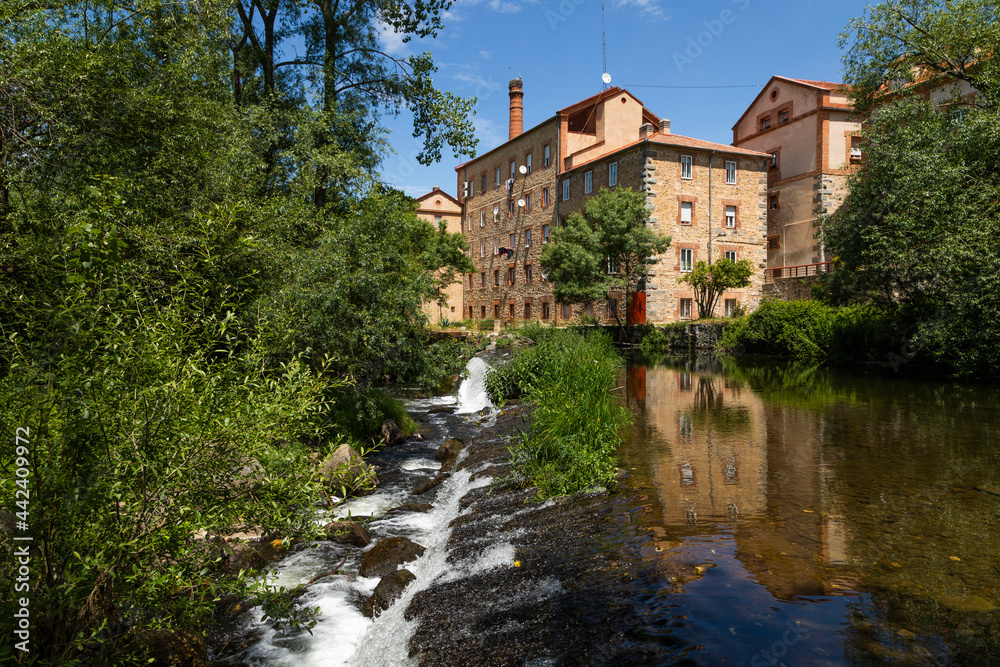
[[676, 140]]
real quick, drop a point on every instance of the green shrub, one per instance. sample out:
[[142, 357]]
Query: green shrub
[[661, 340], [577, 421], [486, 325]]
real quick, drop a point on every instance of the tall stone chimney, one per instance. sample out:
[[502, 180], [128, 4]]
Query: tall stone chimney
[[664, 126], [516, 108]]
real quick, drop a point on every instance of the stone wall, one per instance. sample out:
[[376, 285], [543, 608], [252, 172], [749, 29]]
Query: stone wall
[[790, 289]]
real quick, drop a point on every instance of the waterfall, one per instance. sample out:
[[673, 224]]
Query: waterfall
[[472, 392]]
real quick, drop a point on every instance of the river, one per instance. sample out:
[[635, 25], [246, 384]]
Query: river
[[767, 514]]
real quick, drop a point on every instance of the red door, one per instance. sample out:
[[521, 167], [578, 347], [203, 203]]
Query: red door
[[637, 309]]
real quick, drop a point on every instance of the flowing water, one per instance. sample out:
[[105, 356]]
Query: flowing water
[[768, 515]]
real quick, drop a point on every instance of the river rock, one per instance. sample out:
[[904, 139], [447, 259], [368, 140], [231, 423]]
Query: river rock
[[348, 532], [345, 468], [448, 452], [392, 434], [387, 555], [431, 484], [388, 591], [409, 507], [442, 408], [183, 648]]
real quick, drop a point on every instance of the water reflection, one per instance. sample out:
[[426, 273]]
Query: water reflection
[[874, 500]]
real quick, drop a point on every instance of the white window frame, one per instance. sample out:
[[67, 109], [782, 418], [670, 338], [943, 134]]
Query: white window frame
[[731, 167], [566, 189], [545, 234], [686, 308], [482, 218], [469, 223], [612, 174], [482, 247], [547, 155], [730, 306], [496, 177], [687, 254], [689, 207], [687, 167], [527, 203], [496, 245], [513, 169], [588, 182], [527, 238], [527, 164], [730, 217], [512, 239], [730, 254]]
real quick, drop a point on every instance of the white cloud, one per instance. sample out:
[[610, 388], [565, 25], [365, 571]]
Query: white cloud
[[483, 87], [650, 10], [392, 41], [488, 134], [485, 55], [502, 7]]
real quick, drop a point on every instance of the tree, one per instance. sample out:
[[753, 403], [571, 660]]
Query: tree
[[919, 233], [709, 281], [900, 42], [605, 251]]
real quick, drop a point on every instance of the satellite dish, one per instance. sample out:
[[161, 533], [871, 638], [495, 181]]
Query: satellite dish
[[520, 202], [523, 169], [606, 78]]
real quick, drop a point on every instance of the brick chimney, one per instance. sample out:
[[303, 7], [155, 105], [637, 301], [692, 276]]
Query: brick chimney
[[664, 126], [516, 108]]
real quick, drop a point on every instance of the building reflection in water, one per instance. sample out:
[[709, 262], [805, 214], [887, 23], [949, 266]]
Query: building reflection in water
[[715, 458]]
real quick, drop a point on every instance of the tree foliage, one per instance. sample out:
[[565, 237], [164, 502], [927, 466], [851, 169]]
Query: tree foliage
[[608, 249], [918, 233], [709, 281]]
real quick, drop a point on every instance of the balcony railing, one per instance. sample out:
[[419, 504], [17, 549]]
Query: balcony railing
[[800, 271]]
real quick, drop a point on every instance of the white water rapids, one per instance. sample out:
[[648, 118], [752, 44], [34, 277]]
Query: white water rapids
[[343, 636]]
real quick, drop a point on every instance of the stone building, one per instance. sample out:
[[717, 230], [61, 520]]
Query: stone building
[[708, 197], [809, 129], [438, 206]]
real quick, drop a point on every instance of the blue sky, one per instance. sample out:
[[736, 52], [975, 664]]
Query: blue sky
[[555, 46]]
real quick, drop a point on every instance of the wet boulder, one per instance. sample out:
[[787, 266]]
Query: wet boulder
[[392, 434], [387, 555], [345, 472], [424, 488], [388, 591], [409, 507], [448, 452], [353, 533]]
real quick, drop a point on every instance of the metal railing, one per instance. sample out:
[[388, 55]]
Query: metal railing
[[800, 271]]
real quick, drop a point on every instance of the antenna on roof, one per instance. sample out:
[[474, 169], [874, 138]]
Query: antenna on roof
[[606, 78]]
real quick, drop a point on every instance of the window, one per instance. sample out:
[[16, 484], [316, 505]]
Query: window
[[774, 160], [482, 218], [496, 277], [731, 217], [588, 181], [612, 307], [496, 213], [496, 178], [472, 188], [510, 208], [513, 169], [527, 311], [545, 197], [482, 247], [482, 312], [687, 260], [566, 189], [527, 203], [765, 123], [730, 172], [546, 155], [612, 174], [510, 276], [527, 238], [545, 234], [527, 163], [687, 166], [469, 224], [470, 311], [511, 246], [588, 310], [470, 281], [730, 254], [546, 314], [957, 113], [510, 310], [730, 307], [782, 116], [686, 210], [438, 220], [496, 310], [772, 202], [527, 274], [567, 311], [482, 187], [773, 242], [496, 245], [685, 309], [482, 283], [612, 266]]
